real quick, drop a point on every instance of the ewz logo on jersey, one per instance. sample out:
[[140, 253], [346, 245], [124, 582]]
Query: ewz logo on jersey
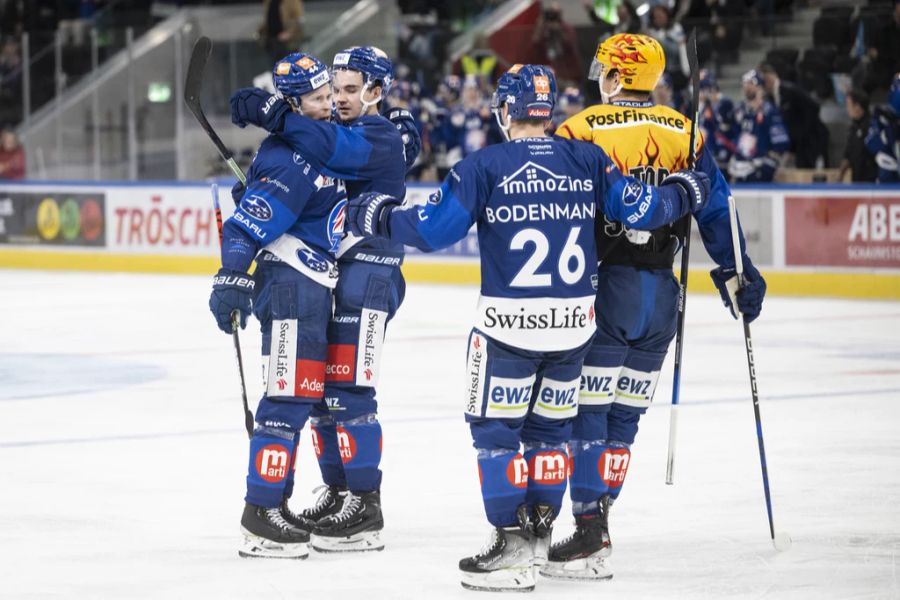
[[509, 398], [272, 462], [532, 178], [336, 221]]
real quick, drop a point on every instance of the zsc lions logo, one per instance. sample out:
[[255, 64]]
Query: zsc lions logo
[[336, 221], [312, 260], [257, 208], [632, 193]]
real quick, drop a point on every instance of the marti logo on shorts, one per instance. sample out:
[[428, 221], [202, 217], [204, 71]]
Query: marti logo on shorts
[[613, 465], [517, 471], [568, 318], [532, 178], [346, 444], [272, 462], [548, 467]]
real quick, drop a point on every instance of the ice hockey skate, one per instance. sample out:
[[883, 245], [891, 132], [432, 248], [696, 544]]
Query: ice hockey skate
[[267, 534], [356, 528], [505, 564], [541, 528], [329, 502], [584, 555]]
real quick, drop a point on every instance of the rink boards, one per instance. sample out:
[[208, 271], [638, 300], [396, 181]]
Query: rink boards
[[825, 240]]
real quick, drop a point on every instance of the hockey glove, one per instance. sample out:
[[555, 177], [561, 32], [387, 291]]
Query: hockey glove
[[412, 141], [257, 107], [231, 292], [368, 214], [694, 187], [749, 298]]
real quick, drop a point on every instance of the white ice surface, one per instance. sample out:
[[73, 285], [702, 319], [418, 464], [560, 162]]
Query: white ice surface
[[123, 454]]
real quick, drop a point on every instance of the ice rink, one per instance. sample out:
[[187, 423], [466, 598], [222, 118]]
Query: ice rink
[[123, 454]]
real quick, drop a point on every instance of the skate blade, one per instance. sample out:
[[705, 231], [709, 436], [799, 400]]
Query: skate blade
[[366, 541], [583, 569], [520, 579], [255, 546]]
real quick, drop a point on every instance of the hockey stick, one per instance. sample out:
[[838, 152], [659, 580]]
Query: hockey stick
[[685, 255], [192, 84], [782, 541]]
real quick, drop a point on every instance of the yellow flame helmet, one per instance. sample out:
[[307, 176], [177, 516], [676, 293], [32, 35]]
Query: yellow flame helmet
[[639, 59]]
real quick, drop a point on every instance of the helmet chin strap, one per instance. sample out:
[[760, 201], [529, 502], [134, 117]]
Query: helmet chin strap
[[503, 128]]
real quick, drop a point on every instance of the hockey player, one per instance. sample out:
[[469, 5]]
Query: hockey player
[[637, 296], [367, 150], [763, 138], [534, 200], [717, 120], [289, 219], [883, 139]]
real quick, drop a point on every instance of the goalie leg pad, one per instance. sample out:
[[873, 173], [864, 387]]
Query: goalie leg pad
[[271, 451], [359, 444]]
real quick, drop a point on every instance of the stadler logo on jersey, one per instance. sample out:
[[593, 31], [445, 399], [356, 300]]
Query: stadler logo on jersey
[[256, 207], [336, 221], [272, 462], [532, 178]]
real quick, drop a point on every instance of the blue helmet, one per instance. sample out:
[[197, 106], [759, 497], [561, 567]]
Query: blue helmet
[[298, 74], [372, 62], [708, 80], [528, 91]]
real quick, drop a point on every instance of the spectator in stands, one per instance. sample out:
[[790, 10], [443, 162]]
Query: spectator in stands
[[281, 31], [555, 39], [883, 139], [482, 62], [885, 51], [12, 155], [571, 102], [618, 16], [671, 36], [809, 136], [763, 139], [717, 120], [857, 158]]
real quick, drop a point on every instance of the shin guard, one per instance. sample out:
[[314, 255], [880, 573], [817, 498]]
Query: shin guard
[[547, 474], [328, 455], [504, 484], [359, 443]]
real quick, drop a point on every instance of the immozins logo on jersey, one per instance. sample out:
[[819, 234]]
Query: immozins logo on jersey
[[548, 467], [272, 462], [336, 222], [256, 207], [532, 178]]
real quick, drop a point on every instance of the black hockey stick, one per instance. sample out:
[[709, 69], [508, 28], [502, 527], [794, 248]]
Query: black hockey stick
[[192, 84], [781, 541], [685, 255]]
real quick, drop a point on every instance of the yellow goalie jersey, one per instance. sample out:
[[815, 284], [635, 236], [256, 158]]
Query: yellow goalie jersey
[[645, 140]]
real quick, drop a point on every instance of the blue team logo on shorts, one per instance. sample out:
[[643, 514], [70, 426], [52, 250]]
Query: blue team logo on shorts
[[632, 193], [312, 260], [256, 207], [335, 228]]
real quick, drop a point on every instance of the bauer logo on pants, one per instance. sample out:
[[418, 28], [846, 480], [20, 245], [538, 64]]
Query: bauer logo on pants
[[282, 359], [272, 462], [371, 338]]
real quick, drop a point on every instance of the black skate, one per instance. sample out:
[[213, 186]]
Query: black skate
[[356, 528], [541, 528], [296, 520], [505, 563], [268, 535], [584, 555], [328, 503]]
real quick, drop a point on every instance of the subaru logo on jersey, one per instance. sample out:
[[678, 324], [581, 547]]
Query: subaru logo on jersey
[[312, 260], [532, 178], [632, 193], [335, 228], [436, 197], [256, 207]]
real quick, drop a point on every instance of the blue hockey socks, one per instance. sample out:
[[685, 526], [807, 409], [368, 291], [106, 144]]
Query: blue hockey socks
[[548, 467], [504, 484], [359, 443]]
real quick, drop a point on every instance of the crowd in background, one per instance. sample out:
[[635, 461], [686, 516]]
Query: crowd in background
[[775, 122]]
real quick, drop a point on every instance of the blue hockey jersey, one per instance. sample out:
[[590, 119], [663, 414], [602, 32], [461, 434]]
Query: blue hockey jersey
[[763, 138], [290, 209], [883, 142], [720, 128], [535, 201], [367, 153]]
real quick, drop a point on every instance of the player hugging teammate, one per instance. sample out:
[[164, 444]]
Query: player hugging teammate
[[535, 200]]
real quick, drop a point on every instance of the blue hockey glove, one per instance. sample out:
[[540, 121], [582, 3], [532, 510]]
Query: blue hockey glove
[[412, 142], [258, 107], [231, 292], [237, 192], [749, 297], [694, 185], [368, 214]]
